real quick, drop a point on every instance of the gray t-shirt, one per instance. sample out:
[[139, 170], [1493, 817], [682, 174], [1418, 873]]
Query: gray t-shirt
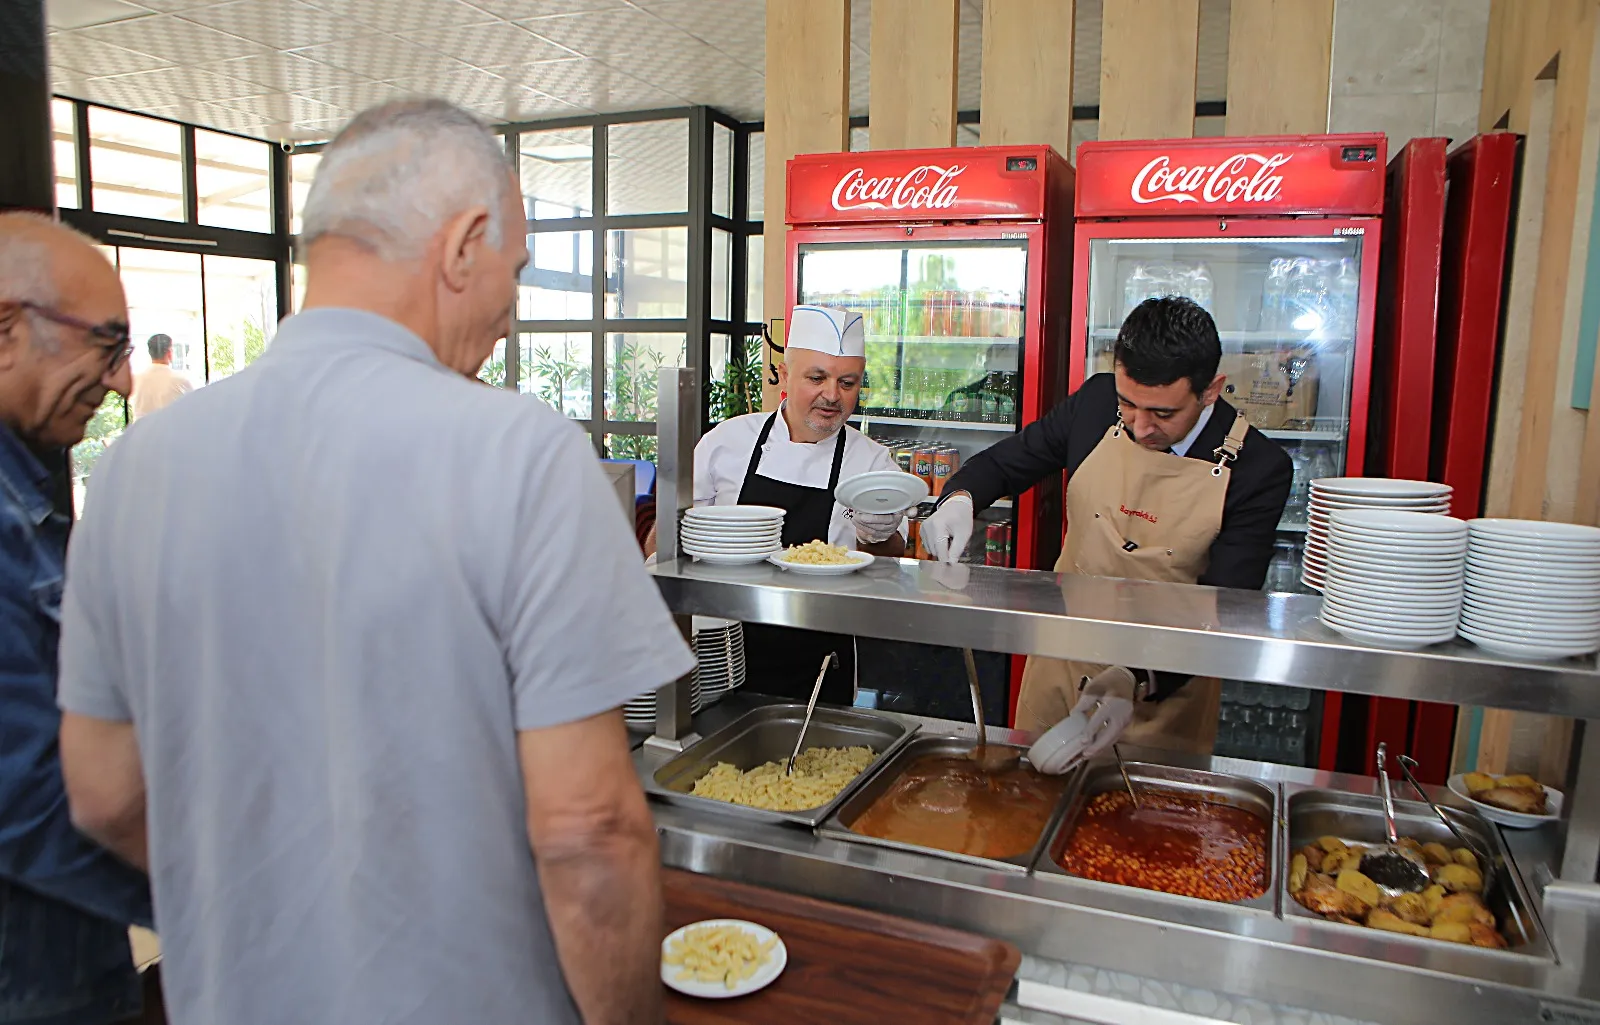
[[327, 592]]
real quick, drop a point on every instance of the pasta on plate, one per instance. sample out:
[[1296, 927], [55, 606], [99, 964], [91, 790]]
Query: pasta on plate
[[817, 553]]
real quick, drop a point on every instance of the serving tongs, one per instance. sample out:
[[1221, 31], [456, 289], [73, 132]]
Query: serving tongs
[[1485, 858], [829, 660], [1394, 868]]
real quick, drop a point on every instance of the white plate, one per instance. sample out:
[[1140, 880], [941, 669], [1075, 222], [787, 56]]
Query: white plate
[[1510, 630], [1395, 539], [1387, 640], [1486, 566], [1539, 529], [1382, 621], [717, 559], [1387, 520], [715, 529], [1516, 649], [1395, 569], [1538, 618], [1557, 599], [759, 544], [739, 513], [1403, 587], [1514, 819], [1540, 549], [1443, 558], [716, 990], [857, 560], [1400, 610], [1380, 487], [881, 491]]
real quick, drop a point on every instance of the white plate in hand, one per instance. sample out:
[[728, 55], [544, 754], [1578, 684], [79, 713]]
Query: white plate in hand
[[857, 560], [770, 970], [1504, 816], [881, 491]]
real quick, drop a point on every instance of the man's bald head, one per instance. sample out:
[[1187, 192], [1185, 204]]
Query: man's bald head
[[60, 300]]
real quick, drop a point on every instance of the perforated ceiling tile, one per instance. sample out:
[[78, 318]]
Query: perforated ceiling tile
[[280, 24], [381, 57], [594, 85], [736, 28], [174, 39], [284, 72], [406, 15], [358, 96], [172, 5], [287, 107], [91, 57], [610, 33], [487, 45], [187, 83], [512, 10], [468, 87], [62, 14], [703, 79]]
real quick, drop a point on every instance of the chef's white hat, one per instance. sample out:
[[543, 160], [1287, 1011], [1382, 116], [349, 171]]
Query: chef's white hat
[[825, 329]]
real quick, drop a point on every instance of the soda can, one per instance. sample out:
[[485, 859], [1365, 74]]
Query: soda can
[[994, 545], [922, 464], [945, 460], [902, 458]]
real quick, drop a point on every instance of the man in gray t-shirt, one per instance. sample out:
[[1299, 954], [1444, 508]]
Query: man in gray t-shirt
[[348, 632]]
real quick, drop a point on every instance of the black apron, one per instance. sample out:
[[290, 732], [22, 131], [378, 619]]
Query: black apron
[[782, 661]]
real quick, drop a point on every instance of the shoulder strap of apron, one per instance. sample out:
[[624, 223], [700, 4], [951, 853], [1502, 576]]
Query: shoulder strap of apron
[[761, 442], [838, 459], [1229, 450]]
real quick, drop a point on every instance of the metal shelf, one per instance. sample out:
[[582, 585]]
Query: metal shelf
[[1203, 631], [1304, 435], [1286, 527], [938, 425]]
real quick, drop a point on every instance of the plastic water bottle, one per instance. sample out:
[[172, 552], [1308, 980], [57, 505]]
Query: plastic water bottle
[[1346, 291], [1272, 295], [1199, 286], [1136, 289]]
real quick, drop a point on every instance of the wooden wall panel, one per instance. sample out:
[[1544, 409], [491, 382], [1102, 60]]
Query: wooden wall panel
[[1148, 51], [807, 111], [1027, 73], [913, 99], [1280, 54]]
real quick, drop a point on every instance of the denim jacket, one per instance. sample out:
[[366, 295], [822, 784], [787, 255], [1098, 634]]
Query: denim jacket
[[65, 902]]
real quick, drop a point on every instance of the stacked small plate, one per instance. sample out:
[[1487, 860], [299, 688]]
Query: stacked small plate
[[640, 713], [732, 535], [1533, 588], [1332, 494], [719, 656], [1394, 577]]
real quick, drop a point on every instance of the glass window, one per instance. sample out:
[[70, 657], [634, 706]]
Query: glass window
[[647, 273], [557, 169], [233, 179], [302, 169], [758, 176], [558, 282], [559, 368], [297, 286], [165, 297], [631, 446], [860, 139], [755, 295], [64, 128], [721, 170], [241, 312], [134, 165], [647, 167], [632, 362], [493, 371], [721, 274], [105, 427]]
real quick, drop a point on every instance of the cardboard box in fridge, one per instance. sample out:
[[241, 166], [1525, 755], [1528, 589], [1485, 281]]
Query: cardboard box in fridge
[[1261, 386]]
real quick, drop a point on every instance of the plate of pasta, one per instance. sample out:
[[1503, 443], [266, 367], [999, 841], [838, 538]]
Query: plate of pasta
[[820, 559], [721, 957]]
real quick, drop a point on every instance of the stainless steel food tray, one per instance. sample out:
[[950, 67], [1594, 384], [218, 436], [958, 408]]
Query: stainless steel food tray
[[1358, 818], [837, 826], [1258, 798], [767, 734]]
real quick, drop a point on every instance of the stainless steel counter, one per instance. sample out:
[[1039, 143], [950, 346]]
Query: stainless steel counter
[[1281, 961], [1203, 631]]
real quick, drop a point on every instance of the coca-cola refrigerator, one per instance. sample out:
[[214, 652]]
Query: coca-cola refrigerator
[[959, 261], [1279, 239]]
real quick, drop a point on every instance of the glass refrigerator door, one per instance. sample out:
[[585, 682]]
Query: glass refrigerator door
[[944, 326], [1285, 309]]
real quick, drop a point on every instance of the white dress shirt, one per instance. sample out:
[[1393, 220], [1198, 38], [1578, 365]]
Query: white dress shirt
[[723, 456], [1181, 448], [158, 388]]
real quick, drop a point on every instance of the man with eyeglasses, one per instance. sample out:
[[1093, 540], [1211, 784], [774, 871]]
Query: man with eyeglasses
[[65, 902]]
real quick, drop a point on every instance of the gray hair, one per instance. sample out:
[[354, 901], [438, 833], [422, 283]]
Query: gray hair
[[398, 171], [25, 271], [160, 346]]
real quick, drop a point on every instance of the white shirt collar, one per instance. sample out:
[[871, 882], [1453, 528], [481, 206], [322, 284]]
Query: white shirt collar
[[1181, 448]]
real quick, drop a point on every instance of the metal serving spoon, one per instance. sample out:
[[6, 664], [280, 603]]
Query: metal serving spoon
[[988, 759], [1395, 869], [830, 659]]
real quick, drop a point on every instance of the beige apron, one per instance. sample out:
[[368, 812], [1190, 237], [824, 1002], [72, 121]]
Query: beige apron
[[1141, 515]]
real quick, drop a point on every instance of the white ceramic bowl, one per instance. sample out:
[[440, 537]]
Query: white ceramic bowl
[[1582, 641], [1555, 599], [1396, 563], [1487, 568], [1387, 638], [1389, 615], [1535, 546], [1543, 617], [1387, 586], [1521, 650], [1538, 529], [1385, 520], [1380, 487], [1516, 820]]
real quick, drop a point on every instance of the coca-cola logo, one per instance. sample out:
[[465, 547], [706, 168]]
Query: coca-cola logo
[[929, 187], [1241, 178]]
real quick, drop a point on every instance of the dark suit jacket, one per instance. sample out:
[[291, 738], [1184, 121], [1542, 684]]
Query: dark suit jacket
[[1258, 487]]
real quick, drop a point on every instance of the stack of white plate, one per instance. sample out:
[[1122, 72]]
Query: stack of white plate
[[1533, 588], [1394, 578], [1331, 494], [640, 713], [732, 535], [719, 656]]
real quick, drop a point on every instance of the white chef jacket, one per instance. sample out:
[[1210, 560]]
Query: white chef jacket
[[723, 456]]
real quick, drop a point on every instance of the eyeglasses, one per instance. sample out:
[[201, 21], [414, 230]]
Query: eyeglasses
[[115, 334]]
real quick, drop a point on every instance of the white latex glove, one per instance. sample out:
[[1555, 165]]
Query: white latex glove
[[1108, 718], [876, 528], [945, 534]]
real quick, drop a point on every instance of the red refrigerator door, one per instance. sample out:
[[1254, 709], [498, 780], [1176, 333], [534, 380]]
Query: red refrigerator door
[[1402, 408]]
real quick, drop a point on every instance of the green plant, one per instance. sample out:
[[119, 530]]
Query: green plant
[[556, 373], [634, 369], [108, 422], [632, 446], [223, 354], [739, 390]]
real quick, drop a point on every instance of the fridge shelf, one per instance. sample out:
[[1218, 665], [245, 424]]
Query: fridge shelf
[[1246, 337], [948, 425], [1283, 435], [1289, 527]]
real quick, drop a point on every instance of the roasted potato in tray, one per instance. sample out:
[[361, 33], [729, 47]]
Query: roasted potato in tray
[[1459, 878], [1476, 781], [1388, 921], [1359, 886]]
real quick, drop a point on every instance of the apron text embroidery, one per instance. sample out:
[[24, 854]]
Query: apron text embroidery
[[1137, 512]]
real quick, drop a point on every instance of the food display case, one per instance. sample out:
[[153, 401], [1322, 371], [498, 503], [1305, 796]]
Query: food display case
[[958, 261], [1097, 951]]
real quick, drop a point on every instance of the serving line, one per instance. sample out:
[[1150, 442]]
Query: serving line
[[1243, 953]]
